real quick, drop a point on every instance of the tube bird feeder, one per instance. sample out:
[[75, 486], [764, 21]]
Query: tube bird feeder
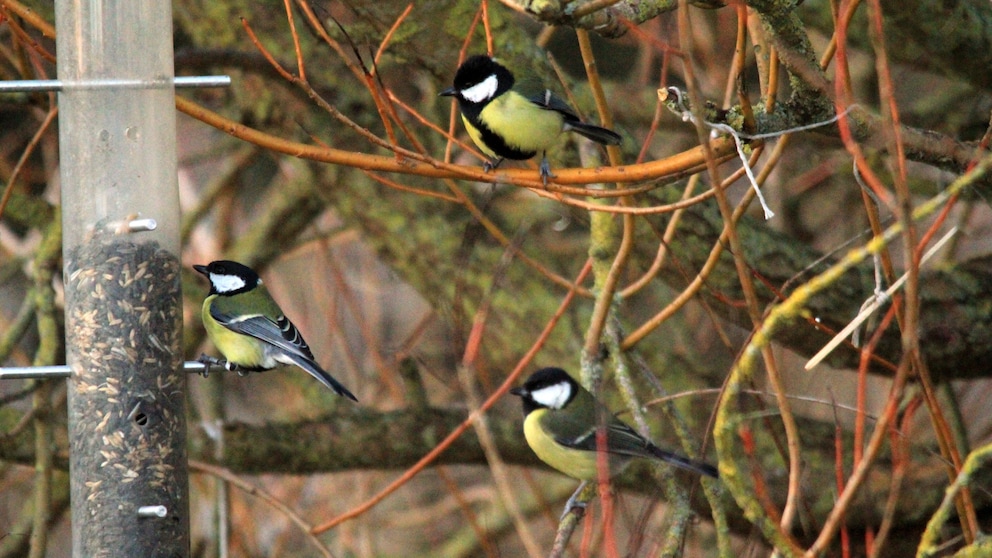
[[120, 216]]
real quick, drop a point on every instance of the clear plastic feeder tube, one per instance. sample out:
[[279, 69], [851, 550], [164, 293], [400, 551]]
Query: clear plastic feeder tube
[[117, 132]]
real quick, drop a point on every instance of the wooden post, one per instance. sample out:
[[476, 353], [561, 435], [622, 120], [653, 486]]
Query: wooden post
[[130, 494]]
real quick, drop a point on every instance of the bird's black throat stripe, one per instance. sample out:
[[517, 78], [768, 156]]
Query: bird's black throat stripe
[[496, 142]]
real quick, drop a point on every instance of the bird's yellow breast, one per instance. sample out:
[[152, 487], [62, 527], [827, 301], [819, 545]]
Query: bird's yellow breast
[[577, 464], [522, 124], [238, 349]]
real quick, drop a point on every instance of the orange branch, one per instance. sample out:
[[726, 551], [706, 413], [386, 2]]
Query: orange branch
[[265, 52], [300, 66], [490, 49], [441, 447], [389, 34], [671, 167]]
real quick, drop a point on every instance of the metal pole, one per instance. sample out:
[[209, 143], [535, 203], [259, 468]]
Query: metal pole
[[62, 371], [127, 430], [32, 85]]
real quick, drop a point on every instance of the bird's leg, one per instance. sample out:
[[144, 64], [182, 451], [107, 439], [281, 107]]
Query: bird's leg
[[545, 169], [491, 164], [574, 503], [207, 361], [232, 367]]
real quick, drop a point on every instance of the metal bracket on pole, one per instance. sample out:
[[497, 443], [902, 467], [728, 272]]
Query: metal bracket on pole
[[44, 85], [63, 371]]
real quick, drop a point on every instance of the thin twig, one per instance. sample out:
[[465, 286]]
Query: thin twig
[[25, 155], [484, 10], [659, 260], [300, 66], [569, 522], [709, 265], [814, 285], [265, 496], [389, 34], [41, 405], [457, 432], [875, 304], [899, 442], [25, 38], [497, 467]]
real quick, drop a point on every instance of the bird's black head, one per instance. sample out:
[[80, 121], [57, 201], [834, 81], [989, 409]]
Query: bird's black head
[[229, 278], [480, 79], [548, 388]]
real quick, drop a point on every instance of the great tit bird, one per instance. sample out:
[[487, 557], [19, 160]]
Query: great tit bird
[[248, 328], [560, 423], [506, 123]]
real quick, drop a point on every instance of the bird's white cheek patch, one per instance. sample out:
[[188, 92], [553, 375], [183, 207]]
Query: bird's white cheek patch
[[481, 91], [226, 283], [554, 396]]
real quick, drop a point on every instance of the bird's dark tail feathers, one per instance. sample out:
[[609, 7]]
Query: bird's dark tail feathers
[[684, 462], [324, 378], [597, 134]]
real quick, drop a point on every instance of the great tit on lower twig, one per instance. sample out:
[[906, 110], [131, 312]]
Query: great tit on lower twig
[[248, 327], [561, 419], [506, 123]]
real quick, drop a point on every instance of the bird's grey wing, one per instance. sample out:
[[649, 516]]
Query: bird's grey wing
[[548, 100], [579, 435], [620, 439], [284, 336], [281, 333], [624, 441], [573, 123]]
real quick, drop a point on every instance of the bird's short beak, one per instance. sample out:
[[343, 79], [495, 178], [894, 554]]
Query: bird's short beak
[[449, 92], [201, 269], [519, 391]]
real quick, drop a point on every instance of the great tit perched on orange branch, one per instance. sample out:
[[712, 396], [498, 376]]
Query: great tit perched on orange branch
[[507, 123]]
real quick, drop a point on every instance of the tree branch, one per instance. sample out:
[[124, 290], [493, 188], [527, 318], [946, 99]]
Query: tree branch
[[955, 326], [340, 442]]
